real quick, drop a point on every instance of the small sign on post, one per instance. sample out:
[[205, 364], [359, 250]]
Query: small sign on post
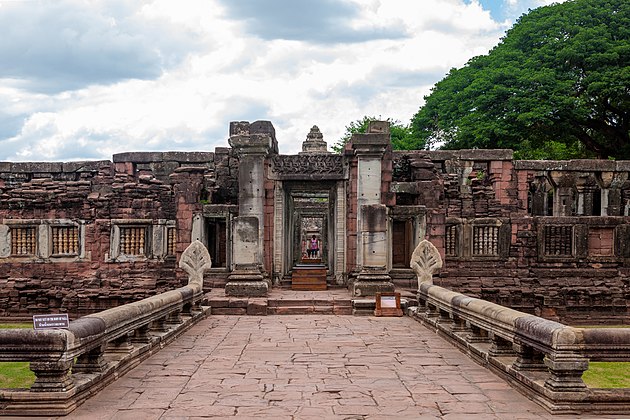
[[46, 322], [388, 304]]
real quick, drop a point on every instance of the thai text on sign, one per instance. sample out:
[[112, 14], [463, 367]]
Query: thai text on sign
[[43, 322]]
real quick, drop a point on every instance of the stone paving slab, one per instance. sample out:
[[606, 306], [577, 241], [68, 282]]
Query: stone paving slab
[[309, 367]]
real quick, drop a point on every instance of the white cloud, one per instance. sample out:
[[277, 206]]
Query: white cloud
[[219, 61]]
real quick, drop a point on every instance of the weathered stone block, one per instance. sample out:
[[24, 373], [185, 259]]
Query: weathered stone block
[[238, 303], [246, 288], [246, 240], [229, 311], [371, 287], [257, 307], [374, 218]]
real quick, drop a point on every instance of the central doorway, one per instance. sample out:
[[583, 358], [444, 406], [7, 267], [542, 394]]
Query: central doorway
[[309, 217], [310, 226]]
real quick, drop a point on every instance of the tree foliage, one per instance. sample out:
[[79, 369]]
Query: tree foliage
[[401, 135], [556, 86]]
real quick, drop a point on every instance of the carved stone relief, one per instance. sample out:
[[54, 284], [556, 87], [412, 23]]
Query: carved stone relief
[[324, 166], [195, 261], [425, 261]]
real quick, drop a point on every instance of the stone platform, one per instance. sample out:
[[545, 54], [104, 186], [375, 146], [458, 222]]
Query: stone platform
[[309, 367], [284, 301], [309, 277]]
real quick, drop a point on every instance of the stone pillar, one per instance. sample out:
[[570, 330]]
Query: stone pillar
[[252, 142], [585, 197], [563, 197], [340, 234], [611, 183], [372, 215], [566, 371], [52, 376], [279, 248]]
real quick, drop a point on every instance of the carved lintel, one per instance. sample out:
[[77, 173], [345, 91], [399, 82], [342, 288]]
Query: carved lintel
[[328, 166]]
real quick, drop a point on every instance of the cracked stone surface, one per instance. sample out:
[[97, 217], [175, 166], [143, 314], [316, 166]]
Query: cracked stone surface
[[309, 367]]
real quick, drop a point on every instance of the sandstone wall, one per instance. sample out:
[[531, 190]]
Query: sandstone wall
[[58, 222], [488, 217], [549, 238]]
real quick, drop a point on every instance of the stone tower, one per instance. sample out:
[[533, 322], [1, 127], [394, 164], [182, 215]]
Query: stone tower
[[314, 143]]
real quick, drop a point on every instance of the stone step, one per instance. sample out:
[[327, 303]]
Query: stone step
[[309, 310], [274, 303], [299, 305], [310, 286], [309, 306], [312, 278]]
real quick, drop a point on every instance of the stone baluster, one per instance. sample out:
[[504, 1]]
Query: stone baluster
[[500, 347], [141, 335], [459, 324], [174, 318], [527, 358], [566, 371], [189, 308], [120, 346], [444, 317], [52, 376], [477, 335], [91, 361], [422, 303], [159, 325], [432, 311]]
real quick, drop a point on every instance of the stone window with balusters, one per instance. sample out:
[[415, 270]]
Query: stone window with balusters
[[41, 239]]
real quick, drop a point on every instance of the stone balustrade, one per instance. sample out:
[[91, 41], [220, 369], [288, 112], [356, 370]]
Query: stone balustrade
[[542, 358], [72, 365]]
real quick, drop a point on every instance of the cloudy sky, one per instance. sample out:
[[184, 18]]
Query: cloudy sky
[[85, 79]]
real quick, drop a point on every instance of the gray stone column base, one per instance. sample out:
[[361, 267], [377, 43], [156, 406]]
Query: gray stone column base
[[246, 284], [370, 283]]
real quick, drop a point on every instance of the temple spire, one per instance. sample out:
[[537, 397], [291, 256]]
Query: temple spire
[[314, 142]]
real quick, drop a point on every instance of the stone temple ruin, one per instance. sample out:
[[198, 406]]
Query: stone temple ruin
[[545, 237], [497, 253]]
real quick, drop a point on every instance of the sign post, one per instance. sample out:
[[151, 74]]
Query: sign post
[[388, 304], [46, 322]]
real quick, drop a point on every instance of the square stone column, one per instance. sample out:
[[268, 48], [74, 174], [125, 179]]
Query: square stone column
[[374, 277], [246, 279], [372, 214], [253, 143]]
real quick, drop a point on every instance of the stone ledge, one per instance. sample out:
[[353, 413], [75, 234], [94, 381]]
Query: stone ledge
[[246, 288]]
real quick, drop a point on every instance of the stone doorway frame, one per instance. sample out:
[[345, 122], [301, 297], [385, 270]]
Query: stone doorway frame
[[286, 216]]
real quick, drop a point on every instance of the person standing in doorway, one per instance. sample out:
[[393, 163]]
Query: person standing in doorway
[[313, 247]]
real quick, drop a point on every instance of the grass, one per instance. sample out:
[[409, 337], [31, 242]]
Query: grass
[[16, 374], [12, 325], [607, 375]]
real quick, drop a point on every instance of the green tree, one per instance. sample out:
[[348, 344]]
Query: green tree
[[556, 86], [402, 138]]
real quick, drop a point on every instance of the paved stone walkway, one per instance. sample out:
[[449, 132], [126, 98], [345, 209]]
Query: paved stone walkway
[[309, 367]]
